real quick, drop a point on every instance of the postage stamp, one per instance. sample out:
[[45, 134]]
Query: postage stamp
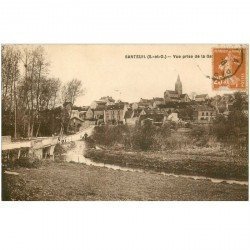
[[229, 68]]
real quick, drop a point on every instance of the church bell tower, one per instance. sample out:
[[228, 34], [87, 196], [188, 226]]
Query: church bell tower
[[178, 86]]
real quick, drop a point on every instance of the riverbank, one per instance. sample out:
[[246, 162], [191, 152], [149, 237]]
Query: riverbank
[[176, 162], [76, 181]]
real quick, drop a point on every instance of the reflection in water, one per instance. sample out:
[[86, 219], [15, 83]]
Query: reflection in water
[[76, 155]]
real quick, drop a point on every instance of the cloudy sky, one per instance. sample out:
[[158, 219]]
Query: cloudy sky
[[104, 70]]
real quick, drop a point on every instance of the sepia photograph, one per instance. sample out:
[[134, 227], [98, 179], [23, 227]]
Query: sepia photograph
[[114, 122]]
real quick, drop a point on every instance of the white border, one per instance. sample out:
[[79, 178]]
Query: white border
[[124, 225]]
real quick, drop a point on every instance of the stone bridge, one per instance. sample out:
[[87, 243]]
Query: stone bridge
[[40, 147]]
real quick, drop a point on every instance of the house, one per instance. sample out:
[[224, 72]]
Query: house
[[167, 108], [157, 101], [128, 117], [184, 98], [89, 114], [204, 114], [103, 102], [223, 104], [201, 98], [154, 118], [145, 103], [98, 114], [176, 95], [75, 123], [173, 117], [135, 105], [132, 116], [96, 104], [74, 113], [114, 114], [82, 114]]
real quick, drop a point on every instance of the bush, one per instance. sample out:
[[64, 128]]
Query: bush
[[200, 135], [27, 162], [24, 162], [59, 150], [109, 135]]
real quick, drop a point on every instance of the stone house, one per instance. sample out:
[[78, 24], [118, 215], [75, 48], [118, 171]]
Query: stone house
[[103, 102], [155, 118], [75, 123], [201, 98], [184, 98], [89, 114], [204, 114], [96, 104], [173, 117], [98, 115], [114, 114], [132, 116], [74, 113], [82, 114], [157, 101]]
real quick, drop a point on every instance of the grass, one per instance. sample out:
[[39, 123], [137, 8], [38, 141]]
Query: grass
[[75, 181], [206, 163]]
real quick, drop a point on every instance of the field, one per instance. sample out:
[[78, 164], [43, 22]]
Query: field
[[76, 181], [199, 162]]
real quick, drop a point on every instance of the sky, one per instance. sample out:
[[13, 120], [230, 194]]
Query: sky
[[105, 71]]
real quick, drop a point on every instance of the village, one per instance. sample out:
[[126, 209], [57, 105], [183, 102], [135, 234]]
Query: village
[[119, 147], [175, 106]]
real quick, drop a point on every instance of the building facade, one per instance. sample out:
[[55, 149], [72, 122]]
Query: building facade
[[114, 114]]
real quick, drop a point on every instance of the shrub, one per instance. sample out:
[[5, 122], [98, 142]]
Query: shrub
[[59, 150], [200, 135]]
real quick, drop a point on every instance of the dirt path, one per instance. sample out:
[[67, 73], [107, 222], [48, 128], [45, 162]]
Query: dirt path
[[72, 181]]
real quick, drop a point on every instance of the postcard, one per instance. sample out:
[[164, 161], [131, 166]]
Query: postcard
[[160, 122]]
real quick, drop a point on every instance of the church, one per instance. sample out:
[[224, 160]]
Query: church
[[176, 95]]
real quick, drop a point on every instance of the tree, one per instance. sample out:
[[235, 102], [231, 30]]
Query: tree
[[233, 128], [10, 76], [239, 101], [72, 90], [26, 89]]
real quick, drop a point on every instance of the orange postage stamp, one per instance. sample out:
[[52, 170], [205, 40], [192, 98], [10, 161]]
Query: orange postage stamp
[[229, 68]]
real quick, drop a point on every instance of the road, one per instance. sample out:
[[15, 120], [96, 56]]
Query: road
[[45, 141]]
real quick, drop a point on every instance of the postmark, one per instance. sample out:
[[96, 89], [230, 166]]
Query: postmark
[[229, 68]]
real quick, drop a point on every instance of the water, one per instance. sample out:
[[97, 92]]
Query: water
[[76, 155]]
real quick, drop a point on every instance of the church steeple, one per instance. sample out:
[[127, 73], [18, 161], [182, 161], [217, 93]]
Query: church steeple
[[178, 86]]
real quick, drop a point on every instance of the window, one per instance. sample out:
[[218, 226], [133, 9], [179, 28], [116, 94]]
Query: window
[[207, 114], [202, 114]]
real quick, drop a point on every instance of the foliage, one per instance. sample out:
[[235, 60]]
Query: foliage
[[71, 90], [233, 130], [29, 96], [59, 150], [145, 137]]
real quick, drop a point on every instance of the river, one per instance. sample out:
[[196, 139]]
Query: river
[[77, 155]]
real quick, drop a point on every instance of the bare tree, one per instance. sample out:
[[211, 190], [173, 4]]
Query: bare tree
[[72, 90], [10, 76], [28, 91], [36, 68]]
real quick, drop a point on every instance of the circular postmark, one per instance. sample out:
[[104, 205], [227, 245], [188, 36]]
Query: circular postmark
[[229, 68]]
